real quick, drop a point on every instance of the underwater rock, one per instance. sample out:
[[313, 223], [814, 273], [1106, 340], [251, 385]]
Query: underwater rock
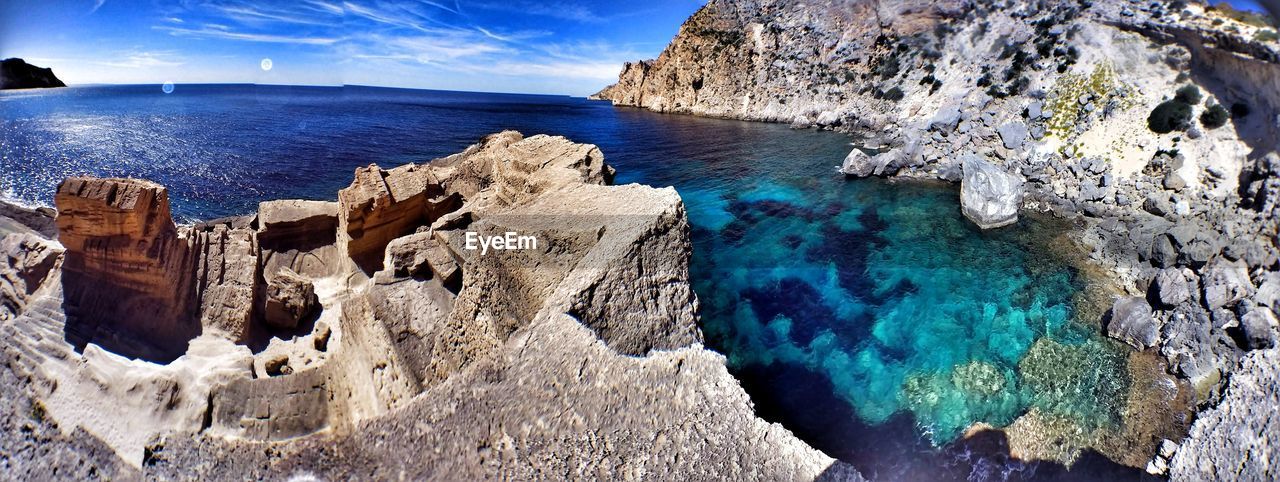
[[989, 195], [1131, 321]]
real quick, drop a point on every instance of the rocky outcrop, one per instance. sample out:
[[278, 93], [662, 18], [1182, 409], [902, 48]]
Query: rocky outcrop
[[989, 196], [1234, 440], [18, 74], [1062, 94], [1131, 321], [127, 272], [584, 325]]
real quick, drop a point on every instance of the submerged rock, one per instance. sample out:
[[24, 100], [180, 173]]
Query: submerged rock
[[989, 195]]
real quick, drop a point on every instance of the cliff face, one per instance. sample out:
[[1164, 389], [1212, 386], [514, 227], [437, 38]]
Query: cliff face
[[577, 356], [1152, 123], [18, 74]]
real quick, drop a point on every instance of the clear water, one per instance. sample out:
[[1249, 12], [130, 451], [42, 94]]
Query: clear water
[[869, 317]]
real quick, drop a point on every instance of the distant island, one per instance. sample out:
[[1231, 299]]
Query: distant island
[[18, 74]]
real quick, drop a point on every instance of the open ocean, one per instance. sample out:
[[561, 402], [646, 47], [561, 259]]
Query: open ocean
[[868, 317]]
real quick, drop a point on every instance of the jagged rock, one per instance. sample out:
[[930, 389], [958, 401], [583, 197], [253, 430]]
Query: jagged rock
[[382, 205], [290, 299], [1260, 327], [421, 254], [26, 261], [1268, 293], [1225, 282], [1170, 288], [18, 74], [1131, 321], [989, 196], [1244, 422], [40, 220], [226, 279], [126, 268]]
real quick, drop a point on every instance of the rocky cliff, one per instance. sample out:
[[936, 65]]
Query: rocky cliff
[[373, 338], [1151, 123], [18, 74]]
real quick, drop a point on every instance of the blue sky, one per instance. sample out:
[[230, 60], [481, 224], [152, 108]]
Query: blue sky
[[559, 47]]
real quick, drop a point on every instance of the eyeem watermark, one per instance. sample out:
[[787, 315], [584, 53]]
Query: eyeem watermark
[[505, 241]]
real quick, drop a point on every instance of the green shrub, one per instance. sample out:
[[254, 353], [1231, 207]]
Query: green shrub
[[1189, 95], [1240, 110], [1214, 117], [1169, 116], [1266, 36], [895, 94]]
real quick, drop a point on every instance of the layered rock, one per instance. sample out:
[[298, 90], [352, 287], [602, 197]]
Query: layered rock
[[589, 331], [127, 271], [18, 74]]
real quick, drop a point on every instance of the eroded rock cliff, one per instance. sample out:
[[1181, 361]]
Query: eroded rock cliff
[[340, 339]]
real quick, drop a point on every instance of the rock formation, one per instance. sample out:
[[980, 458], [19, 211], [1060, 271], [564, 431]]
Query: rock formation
[[1067, 95], [989, 196], [18, 74], [376, 327]]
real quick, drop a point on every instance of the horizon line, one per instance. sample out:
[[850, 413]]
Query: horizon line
[[336, 86]]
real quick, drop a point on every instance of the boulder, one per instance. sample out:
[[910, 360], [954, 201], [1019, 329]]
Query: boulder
[[989, 195], [1132, 322], [1259, 326], [1014, 134], [857, 164], [290, 299], [421, 254], [300, 236], [1225, 283], [1169, 288]]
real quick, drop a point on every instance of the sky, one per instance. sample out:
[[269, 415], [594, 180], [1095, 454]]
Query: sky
[[573, 47]]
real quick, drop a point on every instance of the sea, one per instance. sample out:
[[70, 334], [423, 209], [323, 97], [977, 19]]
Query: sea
[[866, 316]]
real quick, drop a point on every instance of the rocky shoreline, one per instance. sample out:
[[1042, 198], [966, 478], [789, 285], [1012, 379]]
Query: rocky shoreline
[[363, 339], [1151, 124]]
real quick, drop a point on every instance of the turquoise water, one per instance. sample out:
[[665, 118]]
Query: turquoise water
[[901, 303], [868, 317]]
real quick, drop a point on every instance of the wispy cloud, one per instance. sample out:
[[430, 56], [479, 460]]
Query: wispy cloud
[[222, 32], [142, 60], [96, 5]]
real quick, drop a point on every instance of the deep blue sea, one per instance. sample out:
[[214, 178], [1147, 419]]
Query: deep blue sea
[[867, 316]]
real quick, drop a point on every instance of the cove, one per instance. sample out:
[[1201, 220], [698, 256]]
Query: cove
[[866, 316]]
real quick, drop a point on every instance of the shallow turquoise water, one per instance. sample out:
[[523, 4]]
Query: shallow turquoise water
[[901, 303]]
